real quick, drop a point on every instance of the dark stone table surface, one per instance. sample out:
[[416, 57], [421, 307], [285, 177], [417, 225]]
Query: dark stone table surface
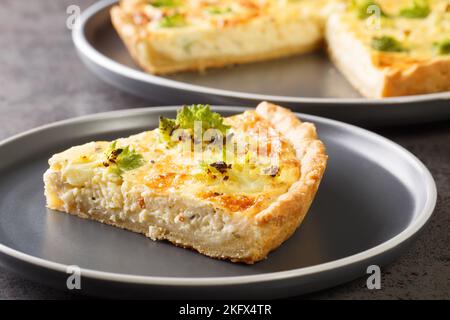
[[42, 80]]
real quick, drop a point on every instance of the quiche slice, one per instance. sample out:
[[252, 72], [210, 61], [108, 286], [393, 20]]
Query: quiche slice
[[166, 36], [392, 48], [233, 188]]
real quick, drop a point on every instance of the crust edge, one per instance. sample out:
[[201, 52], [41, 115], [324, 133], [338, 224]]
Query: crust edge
[[395, 75], [410, 80], [290, 208], [269, 228], [157, 64]]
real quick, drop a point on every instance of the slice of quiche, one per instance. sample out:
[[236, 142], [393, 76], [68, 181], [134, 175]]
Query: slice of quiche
[[166, 36], [231, 188], [392, 48]]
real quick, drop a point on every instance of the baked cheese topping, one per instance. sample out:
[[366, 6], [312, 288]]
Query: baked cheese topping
[[164, 15], [162, 31], [255, 166], [412, 29]]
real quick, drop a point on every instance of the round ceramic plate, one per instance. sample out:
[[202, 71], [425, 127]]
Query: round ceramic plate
[[308, 83], [374, 198]]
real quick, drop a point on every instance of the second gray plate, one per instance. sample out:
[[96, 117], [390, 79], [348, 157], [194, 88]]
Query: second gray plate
[[308, 83], [373, 200]]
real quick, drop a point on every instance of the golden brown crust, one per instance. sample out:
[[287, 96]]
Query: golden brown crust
[[282, 217], [379, 74], [402, 77], [398, 75], [414, 77], [156, 63], [259, 233]]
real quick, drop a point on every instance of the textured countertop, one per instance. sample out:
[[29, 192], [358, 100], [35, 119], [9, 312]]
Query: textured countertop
[[42, 80]]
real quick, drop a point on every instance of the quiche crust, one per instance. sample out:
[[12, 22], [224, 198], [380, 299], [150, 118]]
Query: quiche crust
[[144, 45], [270, 29], [244, 235], [283, 216], [378, 74]]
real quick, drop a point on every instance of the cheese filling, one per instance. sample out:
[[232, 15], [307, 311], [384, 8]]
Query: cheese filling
[[184, 30], [407, 29], [245, 180]]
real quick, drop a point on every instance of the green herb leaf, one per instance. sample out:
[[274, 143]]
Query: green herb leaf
[[386, 43], [173, 21], [419, 10], [218, 10], [365, 8], [200, 112], [166, 128], [123, 159], [442, 47], [186, 118], [165, 3]]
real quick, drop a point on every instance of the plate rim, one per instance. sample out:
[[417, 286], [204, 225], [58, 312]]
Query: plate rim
[[85, 48], [418, 222]]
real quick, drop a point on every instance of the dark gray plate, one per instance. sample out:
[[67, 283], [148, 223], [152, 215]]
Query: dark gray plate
[[374, 198], [307, 83]]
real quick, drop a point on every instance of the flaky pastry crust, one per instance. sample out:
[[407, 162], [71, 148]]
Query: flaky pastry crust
[[260, 232]]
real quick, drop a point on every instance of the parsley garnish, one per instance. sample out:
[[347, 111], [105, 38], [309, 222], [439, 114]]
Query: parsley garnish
[[218, 10], [172, 21], [442, 47], [419, 10], [166, 128], [165, 3], [364, 8], [186, 118], [386, 43], [123, 159]]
